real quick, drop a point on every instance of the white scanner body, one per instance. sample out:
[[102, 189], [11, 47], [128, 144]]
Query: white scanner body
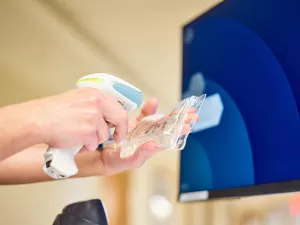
[[60, 163]]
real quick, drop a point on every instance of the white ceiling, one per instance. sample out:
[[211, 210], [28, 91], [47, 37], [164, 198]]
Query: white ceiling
[[47, 44]]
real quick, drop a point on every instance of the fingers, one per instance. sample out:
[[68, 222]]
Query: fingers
[[92, 144], [142, 154], [102, 131], [148, 109], [185, 130], [191, 117], [110, 125], [116, 116], [121, 128], [98, 135]]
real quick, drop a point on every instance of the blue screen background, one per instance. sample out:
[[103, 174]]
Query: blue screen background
[[249, 53]]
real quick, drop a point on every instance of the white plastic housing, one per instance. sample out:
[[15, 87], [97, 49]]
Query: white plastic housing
[[59, 163]]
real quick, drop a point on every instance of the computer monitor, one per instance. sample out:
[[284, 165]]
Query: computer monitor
[[245, 55]]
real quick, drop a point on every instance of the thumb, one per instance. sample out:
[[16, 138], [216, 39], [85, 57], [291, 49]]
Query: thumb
[[143, 153], [92, 143], [148, 109]]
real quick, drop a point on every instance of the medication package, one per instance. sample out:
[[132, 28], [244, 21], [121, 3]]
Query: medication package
[[167, 131]]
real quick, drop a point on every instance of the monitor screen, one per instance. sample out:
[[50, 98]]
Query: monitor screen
[[247, 141]]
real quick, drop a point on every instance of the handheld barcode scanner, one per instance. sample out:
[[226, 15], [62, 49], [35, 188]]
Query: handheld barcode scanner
[[59, 163]]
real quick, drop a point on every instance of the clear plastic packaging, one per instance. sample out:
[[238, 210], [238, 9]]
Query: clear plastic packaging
[[168, 132]]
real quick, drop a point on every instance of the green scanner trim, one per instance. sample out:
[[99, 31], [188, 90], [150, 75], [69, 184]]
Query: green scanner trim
[[91, 79]]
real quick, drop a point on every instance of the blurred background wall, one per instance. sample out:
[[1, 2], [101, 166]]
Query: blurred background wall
[[47, 45]]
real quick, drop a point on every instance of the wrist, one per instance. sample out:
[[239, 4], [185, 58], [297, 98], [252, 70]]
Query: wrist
[[89, 163], [36, 121], [31, 122], [19, 129]]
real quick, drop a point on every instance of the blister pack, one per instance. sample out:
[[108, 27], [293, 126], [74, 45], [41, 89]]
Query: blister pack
[[167, 131]]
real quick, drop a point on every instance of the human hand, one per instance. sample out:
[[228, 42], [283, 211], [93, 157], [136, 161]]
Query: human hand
[[109, 160], [80, 117]]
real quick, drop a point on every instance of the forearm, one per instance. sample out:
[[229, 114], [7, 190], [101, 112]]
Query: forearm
[[19, 129], [26, 166]]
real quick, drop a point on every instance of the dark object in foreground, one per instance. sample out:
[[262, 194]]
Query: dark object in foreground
[[90, 212]]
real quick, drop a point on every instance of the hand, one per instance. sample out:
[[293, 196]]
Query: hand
[[80, 117], [111, 162]]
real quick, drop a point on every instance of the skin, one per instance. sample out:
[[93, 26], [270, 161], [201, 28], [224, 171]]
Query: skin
[[77, 117], [26, 166], [80, 116]]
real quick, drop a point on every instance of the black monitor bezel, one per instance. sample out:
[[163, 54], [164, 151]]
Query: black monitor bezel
[[247, 191]]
